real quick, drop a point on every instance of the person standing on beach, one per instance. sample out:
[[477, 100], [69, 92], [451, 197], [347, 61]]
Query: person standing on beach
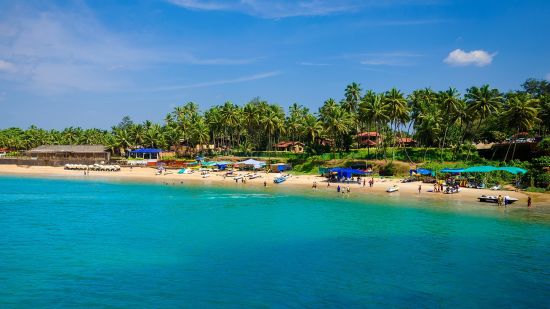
[[419, 188], [528, 201], [338, 189], [364, 182], [265, 183]]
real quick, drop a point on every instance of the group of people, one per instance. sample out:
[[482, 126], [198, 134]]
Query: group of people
[[438, 187], [344, 191], [503, 200]]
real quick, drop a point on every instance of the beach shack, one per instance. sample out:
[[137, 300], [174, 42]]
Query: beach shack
[[369, 139], [291, 146], [63, 154], [145, 153]]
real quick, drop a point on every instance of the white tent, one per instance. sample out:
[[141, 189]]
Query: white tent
[[255, 163]]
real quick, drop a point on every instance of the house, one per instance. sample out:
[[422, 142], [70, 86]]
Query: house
[[406, 141], [70, 153], [295, 147], [369, 139]]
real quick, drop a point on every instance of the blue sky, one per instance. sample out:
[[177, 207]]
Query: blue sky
[[89, 63]]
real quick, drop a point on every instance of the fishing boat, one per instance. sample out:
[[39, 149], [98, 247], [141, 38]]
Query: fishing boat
[[494, 199], [280, 179], [395, 188]]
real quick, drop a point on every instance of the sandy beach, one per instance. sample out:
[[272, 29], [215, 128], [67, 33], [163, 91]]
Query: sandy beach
[[304, 182]]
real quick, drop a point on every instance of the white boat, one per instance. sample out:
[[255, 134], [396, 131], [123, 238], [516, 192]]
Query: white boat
[[253, 176], [494, 199], [280, 179], [395, 188]]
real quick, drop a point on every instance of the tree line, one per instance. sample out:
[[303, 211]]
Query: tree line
[[443, 119]]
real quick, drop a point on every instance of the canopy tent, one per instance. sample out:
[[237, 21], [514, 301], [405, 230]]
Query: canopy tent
[[480, 169], [346, 172], [512, 169], [422, 171], [485, 169], [255, 163], [452, 170], [209, 163]]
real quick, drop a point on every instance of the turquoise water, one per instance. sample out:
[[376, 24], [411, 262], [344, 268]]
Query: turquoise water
[[70, 243]]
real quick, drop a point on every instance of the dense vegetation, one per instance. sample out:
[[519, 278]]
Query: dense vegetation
[[436, 119]]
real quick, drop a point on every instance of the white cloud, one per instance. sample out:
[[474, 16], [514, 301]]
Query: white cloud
[[219, 82], [548, 77], [313, 64], [273, 9], [480, 58], [6, 66]]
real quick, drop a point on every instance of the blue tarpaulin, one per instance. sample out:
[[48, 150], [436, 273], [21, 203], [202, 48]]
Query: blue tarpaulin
[[422, 171], [346, 172]]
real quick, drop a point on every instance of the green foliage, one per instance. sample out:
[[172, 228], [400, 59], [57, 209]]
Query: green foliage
[[538, 174], [443, 123], [544, 146]]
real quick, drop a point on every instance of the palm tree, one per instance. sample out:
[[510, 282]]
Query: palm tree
[[481, 102], [521, 111], [313, 129], [337, 121], [351, 104], [398, 111], [449, 103], [200, 134], [374, 111]]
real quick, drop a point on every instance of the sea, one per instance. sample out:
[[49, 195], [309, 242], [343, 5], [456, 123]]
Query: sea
[[96, 243]]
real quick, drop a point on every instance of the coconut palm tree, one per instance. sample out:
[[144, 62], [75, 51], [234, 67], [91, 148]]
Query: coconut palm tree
[[481, 102], [450, 103], [313, 129], [521, 113], [200, 134], [374, 111], [398, 109]]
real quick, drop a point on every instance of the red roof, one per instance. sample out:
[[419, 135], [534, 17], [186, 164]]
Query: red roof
[[368, 134], [287, 144]]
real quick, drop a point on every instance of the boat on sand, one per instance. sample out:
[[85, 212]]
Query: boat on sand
[[395, 188], [494, 199], [280, 179]]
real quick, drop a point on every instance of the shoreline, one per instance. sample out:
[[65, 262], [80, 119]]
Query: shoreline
[[294, 183]]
